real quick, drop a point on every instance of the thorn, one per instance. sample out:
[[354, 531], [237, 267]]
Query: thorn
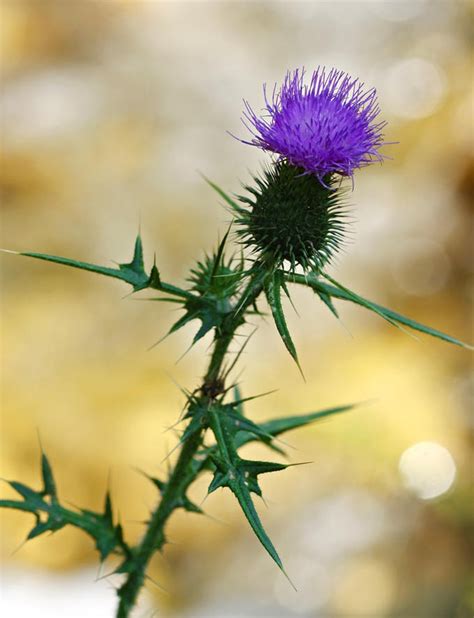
[[106, 576], [99, 575], [39, 440], [288, 578], [157, 342], [171, 452], [147, 577], [216, 519], [129, 294], [73, 504], [17, 549], [299, 463], [202, 502], [171, 427], [184, 353], [141, 522]]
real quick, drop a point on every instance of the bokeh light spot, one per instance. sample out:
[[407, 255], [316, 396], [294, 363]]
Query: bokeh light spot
[[415, 88], [428, 469]]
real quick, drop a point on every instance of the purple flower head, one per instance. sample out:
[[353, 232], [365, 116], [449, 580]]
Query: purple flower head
[[326, 126]]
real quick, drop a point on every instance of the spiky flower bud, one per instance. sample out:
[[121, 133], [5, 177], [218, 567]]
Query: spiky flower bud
[[291, 216]]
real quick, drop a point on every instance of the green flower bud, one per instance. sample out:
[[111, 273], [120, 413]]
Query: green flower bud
[[293, 217]]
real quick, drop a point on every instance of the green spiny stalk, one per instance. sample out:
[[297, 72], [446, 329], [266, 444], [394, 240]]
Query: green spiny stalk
[[184, 473]]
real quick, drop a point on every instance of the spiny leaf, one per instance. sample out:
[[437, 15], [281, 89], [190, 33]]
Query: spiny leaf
[[229, 474], [137, 265], [51, 525], [136, 278], [365, 303], [187, 317], [326, 299], [278, 426], [219, 480], [208, 322], [132, 272], [257, 278], [51, 516], [33, 498], [273, 294], [244, 424], [242, 494], [388, 314], [16, 504], [260, 467], [199, 420]]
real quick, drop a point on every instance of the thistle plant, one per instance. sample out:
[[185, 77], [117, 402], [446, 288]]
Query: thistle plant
[[286, 227]]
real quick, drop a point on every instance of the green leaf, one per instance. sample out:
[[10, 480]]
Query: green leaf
[[326, 299], [51, 516], [132, 272], [242, 493], [16, 504], [137, 266], [208, 322], [260, 467], [273, 293], [278, 426], [340, 292], [219, 480], [33, 498], [361, 301], [241, 423], [51, 525], [231, 472]]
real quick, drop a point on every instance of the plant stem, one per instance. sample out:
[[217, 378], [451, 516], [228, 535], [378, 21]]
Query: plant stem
[[183, 473]]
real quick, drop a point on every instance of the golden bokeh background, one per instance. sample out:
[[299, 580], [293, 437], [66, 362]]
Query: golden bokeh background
[[110, 111]]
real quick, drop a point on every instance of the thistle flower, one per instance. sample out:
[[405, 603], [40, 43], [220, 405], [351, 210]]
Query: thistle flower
[[326, 126]]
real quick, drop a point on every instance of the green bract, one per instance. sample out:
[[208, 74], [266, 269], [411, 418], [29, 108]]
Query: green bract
[[292, 217]]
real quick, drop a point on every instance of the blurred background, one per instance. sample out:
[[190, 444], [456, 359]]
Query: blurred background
[[110, 112]]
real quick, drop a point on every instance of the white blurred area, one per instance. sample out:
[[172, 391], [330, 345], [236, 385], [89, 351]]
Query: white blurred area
[[26, 593], [110, 112]]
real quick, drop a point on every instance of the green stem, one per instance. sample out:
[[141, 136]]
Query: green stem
[[183, 473]]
